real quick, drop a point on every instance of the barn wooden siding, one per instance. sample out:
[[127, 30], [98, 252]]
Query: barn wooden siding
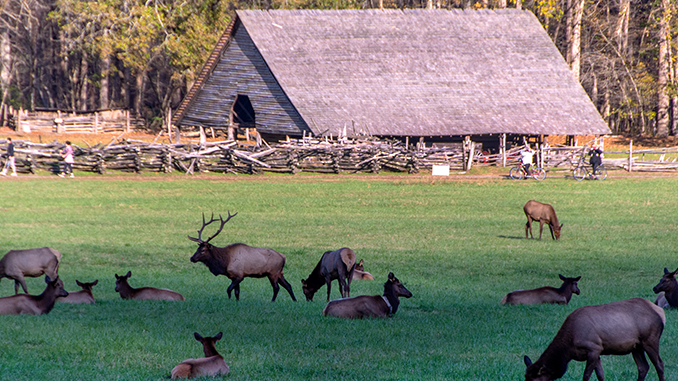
[[309, 155], [241, 70], [93, 122]]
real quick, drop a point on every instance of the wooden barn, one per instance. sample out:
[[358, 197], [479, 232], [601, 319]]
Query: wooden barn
[[439, 75]]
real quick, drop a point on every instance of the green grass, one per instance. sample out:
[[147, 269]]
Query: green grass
[[458, 246]]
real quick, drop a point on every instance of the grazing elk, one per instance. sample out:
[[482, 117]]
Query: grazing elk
[[545, 295], [210, 365], [238, 261], [338, 264], [83, 296], [619, 328], [543, 213], [143, 293], [25, 304], [363, 306], [667, 288], [17, 264], [359, 272]]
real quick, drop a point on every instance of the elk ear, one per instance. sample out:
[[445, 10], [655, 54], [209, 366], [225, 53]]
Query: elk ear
[[218, 336], [391, 277], [361, 262], [303, 282], [95, 282], [674, 273], [78, 283], [129, 274], [197, 336], [47, 279], [666, 271], [561, 226], [527, 361], [561, 277], [577, 278], [193, 239]]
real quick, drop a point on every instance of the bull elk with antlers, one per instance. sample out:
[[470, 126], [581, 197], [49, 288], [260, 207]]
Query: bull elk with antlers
[[238, 261]]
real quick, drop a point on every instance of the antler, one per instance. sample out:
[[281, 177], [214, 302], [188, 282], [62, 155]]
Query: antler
[[204, 225]]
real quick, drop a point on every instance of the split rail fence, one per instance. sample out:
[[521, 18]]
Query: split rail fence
[[306, 155]]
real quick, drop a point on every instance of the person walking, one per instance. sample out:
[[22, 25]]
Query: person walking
[[10, 159], [67, 154], [595, 160]]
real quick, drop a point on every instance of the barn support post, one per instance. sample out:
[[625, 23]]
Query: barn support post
[[502, 148], [631, 155]]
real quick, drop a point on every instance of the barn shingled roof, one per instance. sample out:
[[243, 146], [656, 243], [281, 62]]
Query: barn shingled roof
[[421, 72]]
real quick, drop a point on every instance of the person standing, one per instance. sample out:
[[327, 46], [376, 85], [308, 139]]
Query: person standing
[[10, 159], [67, 154], [595, 160]]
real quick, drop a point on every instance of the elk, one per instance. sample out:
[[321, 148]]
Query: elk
[[238, 261], [667, 288], [210, 365], [143, 293], [25, 304], [359, 272], [619, 328], [543, 213], [545, 295], [83, 296], [359, 307], [338, 264], [17, 264]]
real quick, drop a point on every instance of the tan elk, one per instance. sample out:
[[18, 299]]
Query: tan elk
[[337, 264], [238, 261], [359, 307], [83, 296], [667, 290], [17, 264], [544, 214], [359, 272], [143, 293], [24, 304], [545, 295], [619, 328], [210, 365]]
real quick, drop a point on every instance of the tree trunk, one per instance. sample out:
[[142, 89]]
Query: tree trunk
[[5, 65], [84, 69], [519, 4], [575, 11], [103, 89], [663, 73], [622, 29]]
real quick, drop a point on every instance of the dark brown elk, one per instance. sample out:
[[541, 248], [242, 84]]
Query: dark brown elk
[[667, 288], [83, 296], [25, 304], [544, 214], [238, 261], [143, 293], [544, 295], [338, 264], [629, 326], [17, 264], [359, 307], [359, 272], [210, 365]]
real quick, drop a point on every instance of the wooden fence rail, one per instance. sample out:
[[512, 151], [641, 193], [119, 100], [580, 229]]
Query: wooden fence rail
[[303, 155]]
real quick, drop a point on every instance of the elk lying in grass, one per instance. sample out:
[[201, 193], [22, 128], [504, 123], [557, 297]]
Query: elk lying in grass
[[210, 365], [338, 264], [545, 295], [83, 296], [370, 305], [17, 264], [238, 261], [667, 288], [143, 293], [25, 304], [629, 326], [359, 272], [543, 213]]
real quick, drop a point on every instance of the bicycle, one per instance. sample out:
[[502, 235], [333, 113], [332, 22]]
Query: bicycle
[[586, 171], [519, 172]]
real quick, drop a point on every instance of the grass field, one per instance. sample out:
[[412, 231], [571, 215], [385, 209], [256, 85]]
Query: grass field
[[458, 246]]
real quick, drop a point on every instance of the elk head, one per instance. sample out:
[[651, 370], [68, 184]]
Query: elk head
[[573, 283], [667, 282], [121, 279], [556, 231], [204, 246], [57, 284], [398, 287]]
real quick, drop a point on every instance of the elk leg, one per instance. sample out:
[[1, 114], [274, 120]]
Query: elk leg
[[528, 225], [653, 353], [641, 363], [235, 284], [551, 229], [328, 283], [593, 363], [276, 288], [20, 281], [541, 228], [283, 282]]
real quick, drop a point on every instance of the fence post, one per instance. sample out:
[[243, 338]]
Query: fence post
[[631, 155], [502, 147]]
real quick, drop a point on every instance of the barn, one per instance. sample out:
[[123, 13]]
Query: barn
[[439, 75]]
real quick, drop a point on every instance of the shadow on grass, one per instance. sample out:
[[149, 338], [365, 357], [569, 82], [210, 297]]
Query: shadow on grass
[[507, 237]]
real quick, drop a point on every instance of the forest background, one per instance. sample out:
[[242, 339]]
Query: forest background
[[144, 55]]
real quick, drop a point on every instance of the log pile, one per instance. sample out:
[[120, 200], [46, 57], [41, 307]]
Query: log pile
[[290, 156]]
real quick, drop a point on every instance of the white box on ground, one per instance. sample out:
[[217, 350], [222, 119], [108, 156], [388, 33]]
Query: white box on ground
[[440, 170]]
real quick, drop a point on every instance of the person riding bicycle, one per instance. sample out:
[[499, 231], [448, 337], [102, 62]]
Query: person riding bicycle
[[595, 159], [526, 156]]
